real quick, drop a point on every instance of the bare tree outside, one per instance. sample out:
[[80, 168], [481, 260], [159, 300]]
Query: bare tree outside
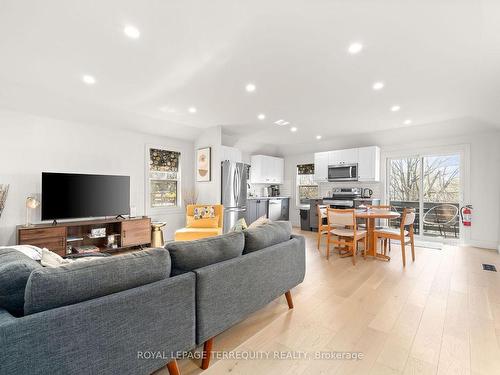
[[441, 179]]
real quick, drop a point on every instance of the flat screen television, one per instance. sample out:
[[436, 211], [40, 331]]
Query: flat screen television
[[72, 196]]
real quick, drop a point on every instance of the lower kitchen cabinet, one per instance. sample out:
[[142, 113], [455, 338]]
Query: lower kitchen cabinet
[[255, 209], [285, 209], [261, 207]]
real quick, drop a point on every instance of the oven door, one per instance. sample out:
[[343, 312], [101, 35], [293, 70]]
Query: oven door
[[343, 172]]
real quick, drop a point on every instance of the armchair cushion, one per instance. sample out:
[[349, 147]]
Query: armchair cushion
[[205, 222]]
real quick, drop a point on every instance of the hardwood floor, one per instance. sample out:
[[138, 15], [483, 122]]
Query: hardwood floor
[[440, 315]]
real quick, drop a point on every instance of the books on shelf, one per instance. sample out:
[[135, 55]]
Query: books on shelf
[[85, 249]]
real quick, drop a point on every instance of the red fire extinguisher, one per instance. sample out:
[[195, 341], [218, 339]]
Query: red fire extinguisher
[[466, 215]]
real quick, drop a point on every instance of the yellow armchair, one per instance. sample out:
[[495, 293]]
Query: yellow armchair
[[195, 229]]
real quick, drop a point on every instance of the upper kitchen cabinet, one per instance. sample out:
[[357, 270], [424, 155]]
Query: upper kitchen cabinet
[[367, 158], [349, 156], [266, 169], [321, 166], [369, 163]]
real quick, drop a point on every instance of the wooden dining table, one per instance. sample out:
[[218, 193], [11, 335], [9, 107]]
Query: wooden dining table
[[370, 215]]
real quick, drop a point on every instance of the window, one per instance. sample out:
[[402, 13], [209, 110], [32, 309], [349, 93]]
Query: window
[[306, 186], [164, 178]]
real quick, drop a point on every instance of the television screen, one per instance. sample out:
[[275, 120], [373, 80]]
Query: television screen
[[71, 196]]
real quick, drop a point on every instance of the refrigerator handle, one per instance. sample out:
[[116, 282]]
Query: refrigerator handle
[[238, 185], [235, 177]]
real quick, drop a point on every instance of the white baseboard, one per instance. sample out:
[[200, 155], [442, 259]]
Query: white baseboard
[[483, 244]]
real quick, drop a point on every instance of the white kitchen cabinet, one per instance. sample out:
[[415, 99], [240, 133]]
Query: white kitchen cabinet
[[348, 156], [367, 158], [369, 163], [321, 160], [266, 169]]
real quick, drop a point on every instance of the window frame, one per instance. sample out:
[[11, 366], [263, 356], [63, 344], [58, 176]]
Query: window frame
[[179, 206], [297, 185]]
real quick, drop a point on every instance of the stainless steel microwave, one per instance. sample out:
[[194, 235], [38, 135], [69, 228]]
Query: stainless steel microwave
[[343, 172]]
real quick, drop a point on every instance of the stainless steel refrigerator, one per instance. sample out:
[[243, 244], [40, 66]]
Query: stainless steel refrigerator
[[234, 192]]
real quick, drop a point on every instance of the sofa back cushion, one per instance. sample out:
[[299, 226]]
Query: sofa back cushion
[[267, 235], [15, 270], [190, 255], [48, 288]]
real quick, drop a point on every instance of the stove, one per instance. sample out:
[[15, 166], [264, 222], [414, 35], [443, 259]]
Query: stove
[[343, 197]]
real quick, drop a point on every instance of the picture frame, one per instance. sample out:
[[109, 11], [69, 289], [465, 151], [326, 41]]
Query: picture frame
[[204, 164]]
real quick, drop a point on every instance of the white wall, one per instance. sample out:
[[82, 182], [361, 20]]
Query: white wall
[[484, 176], [210, 192], [30, 145]]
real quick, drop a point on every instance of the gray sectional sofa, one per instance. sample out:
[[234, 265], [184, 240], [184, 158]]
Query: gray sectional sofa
[[259, 265], [131, 314]]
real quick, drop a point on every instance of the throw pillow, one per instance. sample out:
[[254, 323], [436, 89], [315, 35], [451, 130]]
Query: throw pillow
[[209, 222], [260, 221], [204, 212], [267, 235], [30, 251], [51, 259], [190, 255], [240, 225]]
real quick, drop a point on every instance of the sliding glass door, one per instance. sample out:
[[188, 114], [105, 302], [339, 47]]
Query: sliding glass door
[[431, 185]]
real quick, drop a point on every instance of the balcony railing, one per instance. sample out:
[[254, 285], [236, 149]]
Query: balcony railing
[[440, 219]]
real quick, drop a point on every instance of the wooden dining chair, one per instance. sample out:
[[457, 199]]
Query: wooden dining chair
[[383, 241], [342, 224], [322, 227], [402, 235]]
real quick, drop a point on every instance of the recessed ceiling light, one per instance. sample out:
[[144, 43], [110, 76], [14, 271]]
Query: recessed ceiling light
[[355, 48], [318, 137], [192, 110], [293, 129], [250, 87], [395, 108], [378, 86], [407, 122], [132, 32], [88, 79], [261, 116]]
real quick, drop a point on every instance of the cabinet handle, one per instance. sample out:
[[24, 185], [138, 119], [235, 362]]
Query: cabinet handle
[[124, 234]]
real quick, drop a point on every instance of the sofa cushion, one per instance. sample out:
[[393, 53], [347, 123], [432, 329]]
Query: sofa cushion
[[48, 288], [190, 255], [266, 235], [15, 270]]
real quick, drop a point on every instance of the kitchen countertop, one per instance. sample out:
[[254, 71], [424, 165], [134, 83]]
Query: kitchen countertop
[[280, 197]]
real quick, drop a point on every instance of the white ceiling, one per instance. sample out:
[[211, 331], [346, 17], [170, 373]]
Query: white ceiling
[[439, 59]]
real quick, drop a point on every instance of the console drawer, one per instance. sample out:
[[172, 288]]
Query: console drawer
[[39, 233]]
